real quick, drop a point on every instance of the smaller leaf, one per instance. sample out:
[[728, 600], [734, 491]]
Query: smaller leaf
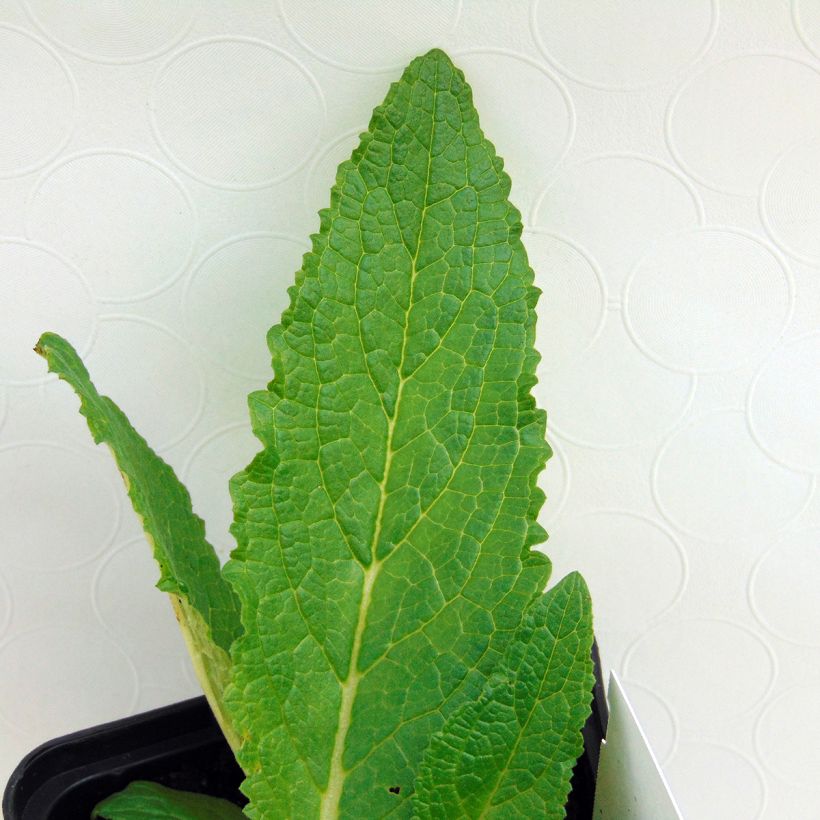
[[189, 567], [141, 800], [206, 607], [510, 754]]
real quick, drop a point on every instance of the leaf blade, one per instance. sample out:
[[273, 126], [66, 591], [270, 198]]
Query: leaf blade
[[383, 532], [188, 563], [143, 800], [511, 753], [206, 607]]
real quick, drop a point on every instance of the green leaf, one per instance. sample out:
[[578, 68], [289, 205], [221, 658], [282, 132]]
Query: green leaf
[[141, 800], [384, 531], [206, 606], [510, 754]]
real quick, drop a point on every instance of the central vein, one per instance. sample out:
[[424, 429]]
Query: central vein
[[331, 797]]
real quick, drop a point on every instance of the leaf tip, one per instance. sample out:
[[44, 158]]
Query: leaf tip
[[435, 57], [437, 54], [43, 343], [576, 584], [50, 342]]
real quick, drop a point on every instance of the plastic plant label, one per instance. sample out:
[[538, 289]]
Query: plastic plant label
[[631, 785]]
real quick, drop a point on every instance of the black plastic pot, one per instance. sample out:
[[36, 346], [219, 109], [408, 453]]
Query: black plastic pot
[[182, 747]]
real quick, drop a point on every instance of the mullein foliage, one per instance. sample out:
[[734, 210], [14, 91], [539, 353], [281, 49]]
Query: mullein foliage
[[379, 642]]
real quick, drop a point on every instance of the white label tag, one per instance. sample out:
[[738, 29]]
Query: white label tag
[[630, 785]]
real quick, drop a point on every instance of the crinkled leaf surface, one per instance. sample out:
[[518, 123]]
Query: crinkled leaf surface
[[206, 606], [384, 531], [141, 800], [510, 753], [188, 564]]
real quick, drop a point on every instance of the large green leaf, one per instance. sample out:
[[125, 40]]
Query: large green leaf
[[206, 607], [510, 754], [384, 531], [141, 800]]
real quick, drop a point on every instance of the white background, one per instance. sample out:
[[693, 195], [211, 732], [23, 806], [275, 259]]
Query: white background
[[161, 165]]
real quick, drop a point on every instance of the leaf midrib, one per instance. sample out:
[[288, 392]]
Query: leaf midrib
[[329, 809]]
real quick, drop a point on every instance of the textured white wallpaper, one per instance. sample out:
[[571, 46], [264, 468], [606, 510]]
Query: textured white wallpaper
[[161, 165]]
